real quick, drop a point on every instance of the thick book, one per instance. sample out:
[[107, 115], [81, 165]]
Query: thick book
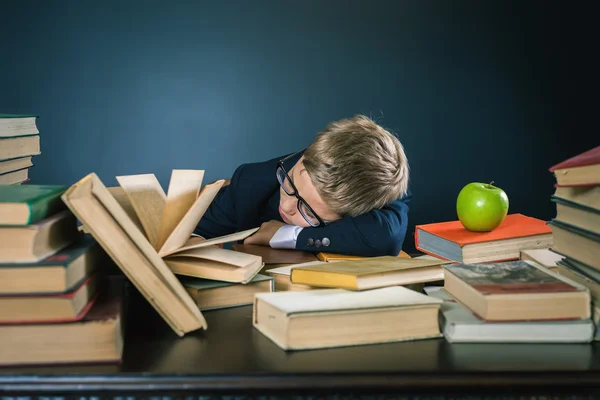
[[580, 170], [110, 225], [582, 274], [96, 338], [587, 196], [27, 204], [50, 307], [337, 317], [15, 164], [57, 273], [576, 243], [36, 241], [451, 241], [212, 295], [14, 177], [368, 273], [516, 291], [12, 125], [22, 146], [460, 325], [578, 215]]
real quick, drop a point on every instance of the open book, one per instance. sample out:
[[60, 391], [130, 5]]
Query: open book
[[149, 235]]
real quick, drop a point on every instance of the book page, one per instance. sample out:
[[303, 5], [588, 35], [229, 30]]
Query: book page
[[198, 242], [184, 187], [121, 197], [214, 253], [184, 229], [148, 200]]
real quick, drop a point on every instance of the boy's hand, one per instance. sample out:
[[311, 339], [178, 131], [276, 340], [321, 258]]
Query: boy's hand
[[264, 234]]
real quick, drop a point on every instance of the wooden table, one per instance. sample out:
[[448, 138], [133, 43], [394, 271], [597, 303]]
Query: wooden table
[[232, 358]]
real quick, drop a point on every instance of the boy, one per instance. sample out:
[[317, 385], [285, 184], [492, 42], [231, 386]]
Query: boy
[[346, 193]]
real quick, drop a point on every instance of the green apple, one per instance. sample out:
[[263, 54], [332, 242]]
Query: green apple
[[481, 207]]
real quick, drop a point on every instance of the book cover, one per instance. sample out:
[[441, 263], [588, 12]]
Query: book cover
[[506, 278]]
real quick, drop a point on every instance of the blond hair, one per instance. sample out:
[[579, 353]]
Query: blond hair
[[357, 166]]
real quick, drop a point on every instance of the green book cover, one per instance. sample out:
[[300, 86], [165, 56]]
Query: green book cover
[[41, 201]]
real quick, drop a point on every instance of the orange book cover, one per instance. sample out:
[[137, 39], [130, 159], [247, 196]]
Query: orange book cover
[[513, 226]]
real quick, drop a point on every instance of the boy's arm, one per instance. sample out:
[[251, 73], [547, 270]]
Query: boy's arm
[[220, 217], [377, 233]]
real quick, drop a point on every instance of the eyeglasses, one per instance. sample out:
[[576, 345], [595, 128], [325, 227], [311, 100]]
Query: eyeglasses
[[290, 189]]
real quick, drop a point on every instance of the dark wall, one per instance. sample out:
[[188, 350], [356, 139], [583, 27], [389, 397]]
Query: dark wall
[[476, 91]]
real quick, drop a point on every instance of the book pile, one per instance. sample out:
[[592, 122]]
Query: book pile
[[576, 228], [149, 234], [512, 301], [54, 307], [19, 141]]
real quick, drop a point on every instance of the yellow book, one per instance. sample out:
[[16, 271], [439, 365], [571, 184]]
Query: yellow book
[[324, 256], [369, 273]]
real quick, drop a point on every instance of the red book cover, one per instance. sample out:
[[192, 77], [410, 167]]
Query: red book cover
[[589, 157]]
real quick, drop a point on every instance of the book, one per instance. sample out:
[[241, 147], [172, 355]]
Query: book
[[211, 295], [516, 291], [110, 225], [14, 177], [451, 241], [588, 196], [578, 215], [96, 337], [15, 164], [336, 317], [270, 255], [460, 325], [281, 275], [576, 243], [57, 273], [583, 275], [50, 307], [15, 147], [545, 257], [168, 221], [12, 125], [27, 204], [324, 256], [39, 240], [368, 273], [580, 170]]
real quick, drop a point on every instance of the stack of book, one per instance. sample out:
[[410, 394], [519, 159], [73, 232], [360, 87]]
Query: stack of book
[[53, 305], [576, 228], [512, 301], [19, 141]]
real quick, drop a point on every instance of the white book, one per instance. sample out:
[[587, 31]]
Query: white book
[[459, 324], [337, 317]]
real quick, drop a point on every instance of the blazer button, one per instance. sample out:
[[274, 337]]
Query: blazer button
[[318, 243], [311, 241], [325, 242]]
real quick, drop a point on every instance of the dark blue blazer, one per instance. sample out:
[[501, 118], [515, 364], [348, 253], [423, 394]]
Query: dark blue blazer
[[252, 198]]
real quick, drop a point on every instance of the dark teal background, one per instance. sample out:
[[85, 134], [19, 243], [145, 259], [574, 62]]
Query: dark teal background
[[475, 90]]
